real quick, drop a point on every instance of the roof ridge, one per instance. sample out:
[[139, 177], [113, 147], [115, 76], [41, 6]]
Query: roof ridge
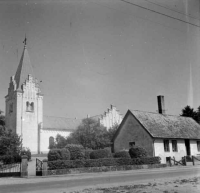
[[61, 117]]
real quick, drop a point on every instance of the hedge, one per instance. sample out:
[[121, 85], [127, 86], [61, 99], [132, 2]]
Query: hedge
[[9, 159], [66, 164], [137, 151], [121, 154], [101, 153], [76, 151], [58, 154]]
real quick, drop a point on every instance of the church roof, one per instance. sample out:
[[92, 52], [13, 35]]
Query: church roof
[[60, 123], [24, 69]]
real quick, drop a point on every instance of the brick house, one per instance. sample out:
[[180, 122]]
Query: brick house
[[160, 134]]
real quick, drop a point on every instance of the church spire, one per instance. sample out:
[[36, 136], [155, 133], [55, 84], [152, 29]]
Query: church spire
[[24, 67]]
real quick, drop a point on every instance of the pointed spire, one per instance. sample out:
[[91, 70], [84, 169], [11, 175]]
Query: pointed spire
[[24, 68]]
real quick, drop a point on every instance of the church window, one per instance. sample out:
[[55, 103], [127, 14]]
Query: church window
[[11, 108], [32, 106], [51, 142], [29, 107]]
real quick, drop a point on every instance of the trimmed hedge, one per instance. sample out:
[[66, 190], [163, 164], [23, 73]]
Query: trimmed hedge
[[87, 153], [121, 154], [137, 151], [76, 151], [9, 159], [58, 154], [61, 164], [101, 153]]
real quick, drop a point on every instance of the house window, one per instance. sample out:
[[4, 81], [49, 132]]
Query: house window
[[131, 144], [198, 145], [11, 108], [174, 146], [166, 145]]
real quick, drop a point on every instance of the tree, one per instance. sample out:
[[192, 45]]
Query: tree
[[10, 143], [190, 112], [2, 119], [90, 134], [112, 131]]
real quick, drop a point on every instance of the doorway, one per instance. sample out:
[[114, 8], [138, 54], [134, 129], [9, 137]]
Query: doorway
[[187, 146]]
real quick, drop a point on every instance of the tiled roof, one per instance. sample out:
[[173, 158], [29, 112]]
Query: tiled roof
[[168, 126], [24, 69], [60, 123]]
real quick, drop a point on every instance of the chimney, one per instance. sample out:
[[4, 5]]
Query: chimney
[[161, 104]]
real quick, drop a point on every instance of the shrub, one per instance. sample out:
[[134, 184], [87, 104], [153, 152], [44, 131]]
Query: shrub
[[101, 153], [58, 154], [137, 151], [87, 153], [62, 164], [26, 151], [121, 154], [9, 159], [76, 151]]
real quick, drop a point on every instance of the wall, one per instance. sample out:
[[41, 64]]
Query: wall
[[193, 148], [44, 138], [132, 131], [159, 150], [111, 117]]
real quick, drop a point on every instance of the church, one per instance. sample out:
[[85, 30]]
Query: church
[[24, 111]]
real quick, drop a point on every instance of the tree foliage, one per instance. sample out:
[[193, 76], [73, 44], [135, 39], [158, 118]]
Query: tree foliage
[[90, 134], [2, 119], [190, 112], [10, 143]]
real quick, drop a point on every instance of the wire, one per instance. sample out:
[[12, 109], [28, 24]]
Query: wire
[[172, 9], [160, 13]]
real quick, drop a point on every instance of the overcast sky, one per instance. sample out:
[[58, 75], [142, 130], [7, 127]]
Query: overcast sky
[[93, 53]]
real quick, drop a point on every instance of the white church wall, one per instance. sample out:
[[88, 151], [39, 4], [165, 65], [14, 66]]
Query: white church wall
[[44, 138]]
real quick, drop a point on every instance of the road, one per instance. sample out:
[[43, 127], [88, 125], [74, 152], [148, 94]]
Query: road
[[79, 181]]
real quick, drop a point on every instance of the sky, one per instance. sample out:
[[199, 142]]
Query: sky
[[90, 54]]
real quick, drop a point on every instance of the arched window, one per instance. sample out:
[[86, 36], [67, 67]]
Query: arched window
[[51, 142], [27, 106], [32, 106]]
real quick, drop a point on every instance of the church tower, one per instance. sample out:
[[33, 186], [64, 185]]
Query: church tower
[[24, 104]]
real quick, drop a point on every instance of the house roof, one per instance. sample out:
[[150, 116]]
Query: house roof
[[166, 126], [24, 69], [60, 123]]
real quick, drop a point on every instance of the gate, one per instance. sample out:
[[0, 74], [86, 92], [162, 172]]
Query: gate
[[10, 170], [39, 164]]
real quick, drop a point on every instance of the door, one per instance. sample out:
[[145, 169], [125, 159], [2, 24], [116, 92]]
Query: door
[[187, 146]]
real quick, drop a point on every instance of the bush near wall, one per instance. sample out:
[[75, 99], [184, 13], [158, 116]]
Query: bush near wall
[[121, 154], [137, 151], [9, 159], [58, 154], [76, 151], [62, 164], [100, 153]]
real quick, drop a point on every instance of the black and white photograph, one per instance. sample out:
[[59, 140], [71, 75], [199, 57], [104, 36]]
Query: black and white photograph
[[99, 96]]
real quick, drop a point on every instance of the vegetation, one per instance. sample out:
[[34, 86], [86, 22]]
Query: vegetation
[[26, 151], [58, 154], [62, 164], [101, 153], [137, 152], [121, 154], [76, 151], [190, 112], [90, 134]]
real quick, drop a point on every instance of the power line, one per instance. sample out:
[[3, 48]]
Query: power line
[[160, 13], [172, 9]]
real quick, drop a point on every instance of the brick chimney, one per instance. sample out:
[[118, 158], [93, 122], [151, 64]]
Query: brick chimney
[[161, 104]]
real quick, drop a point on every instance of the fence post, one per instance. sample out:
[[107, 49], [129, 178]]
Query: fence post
[[24, 166], [185, 160], [170, 162], [44, 167], [193, 160]]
